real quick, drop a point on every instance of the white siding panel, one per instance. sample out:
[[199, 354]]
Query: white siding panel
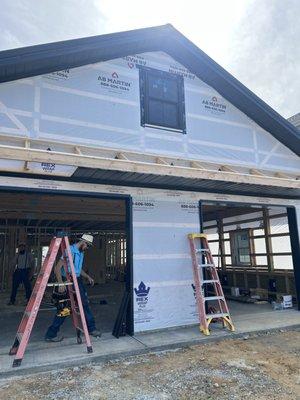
[[162, 262]]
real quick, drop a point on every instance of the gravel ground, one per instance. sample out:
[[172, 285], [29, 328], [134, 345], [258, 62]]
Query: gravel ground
[[258, 367]]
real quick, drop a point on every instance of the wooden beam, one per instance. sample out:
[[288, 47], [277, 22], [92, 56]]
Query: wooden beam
[[25, 167], [249, 220], [221, 244], [160, 160], [89, 161], [27, 146], [281, 175], [254, 171], [268, 239], [196, 164], [77, 150], [121, 156], [225, 168]]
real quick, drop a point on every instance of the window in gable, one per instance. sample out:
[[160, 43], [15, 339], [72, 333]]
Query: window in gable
[[162, 100]]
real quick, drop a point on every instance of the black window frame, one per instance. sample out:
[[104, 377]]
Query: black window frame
[[144, 73]]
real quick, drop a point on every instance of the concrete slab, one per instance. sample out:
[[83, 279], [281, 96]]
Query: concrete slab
[[41, 356], [53, 355]]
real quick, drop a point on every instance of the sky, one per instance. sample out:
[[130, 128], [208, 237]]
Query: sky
[[257, 41]]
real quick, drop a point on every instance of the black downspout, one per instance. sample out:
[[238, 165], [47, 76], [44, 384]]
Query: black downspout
[[295, 245]]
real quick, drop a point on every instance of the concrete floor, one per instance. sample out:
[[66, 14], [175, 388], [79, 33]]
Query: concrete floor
[[45, 356], [104, 300]]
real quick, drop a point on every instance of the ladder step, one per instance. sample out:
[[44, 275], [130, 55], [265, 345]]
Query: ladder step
[[59, 284], [210, 298], [19, 336], [217, 315], [211, 281], [205, 265], [202, 250], [79, 328]]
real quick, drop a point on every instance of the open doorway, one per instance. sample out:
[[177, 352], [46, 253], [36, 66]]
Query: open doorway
[[34, 218], [251, 247]]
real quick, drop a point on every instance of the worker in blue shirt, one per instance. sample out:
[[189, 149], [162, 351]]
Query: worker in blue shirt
[[77, 251]]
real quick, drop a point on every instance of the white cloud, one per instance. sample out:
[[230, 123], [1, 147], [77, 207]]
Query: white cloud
[[209, 24], [265, 53]]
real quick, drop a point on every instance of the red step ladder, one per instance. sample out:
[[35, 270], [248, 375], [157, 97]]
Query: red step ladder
[[24, 330], [206, 277]]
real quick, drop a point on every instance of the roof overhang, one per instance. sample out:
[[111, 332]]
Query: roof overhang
[[100, 176]]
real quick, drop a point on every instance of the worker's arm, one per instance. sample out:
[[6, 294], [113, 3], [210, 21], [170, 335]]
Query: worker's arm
[[85, 275], [57, 272]]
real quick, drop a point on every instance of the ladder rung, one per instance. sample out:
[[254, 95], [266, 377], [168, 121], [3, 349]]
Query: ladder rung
[[79, 328], [19, 336], [202, 250], [211, 281], [217, 315], [214, 298], [205, 265], [60, 284]]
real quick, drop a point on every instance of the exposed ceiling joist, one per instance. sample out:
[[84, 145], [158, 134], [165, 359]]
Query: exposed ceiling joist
[[254, 171], [143, 164]]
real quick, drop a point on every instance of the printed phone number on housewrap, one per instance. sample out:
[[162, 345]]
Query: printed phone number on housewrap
[[189, 206], [143, 204]]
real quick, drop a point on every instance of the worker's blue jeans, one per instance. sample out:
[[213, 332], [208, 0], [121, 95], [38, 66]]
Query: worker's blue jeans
[[58, 321]]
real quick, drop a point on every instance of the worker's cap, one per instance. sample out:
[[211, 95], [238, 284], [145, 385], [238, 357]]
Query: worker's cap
[[88, 239]]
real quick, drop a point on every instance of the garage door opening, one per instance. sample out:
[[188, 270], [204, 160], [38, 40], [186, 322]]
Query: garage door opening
[[252, 250], [34, 218]]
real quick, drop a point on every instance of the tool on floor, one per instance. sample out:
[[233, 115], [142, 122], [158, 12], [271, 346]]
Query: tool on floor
[[24, 330], [206, 280]]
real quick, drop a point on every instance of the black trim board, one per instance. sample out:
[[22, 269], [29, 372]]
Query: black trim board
[[295, 244], [42, 59]]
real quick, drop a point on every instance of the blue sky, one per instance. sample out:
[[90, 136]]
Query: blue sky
[[255, 40]]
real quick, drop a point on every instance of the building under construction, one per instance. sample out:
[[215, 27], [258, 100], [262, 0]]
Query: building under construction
[[139, 138]]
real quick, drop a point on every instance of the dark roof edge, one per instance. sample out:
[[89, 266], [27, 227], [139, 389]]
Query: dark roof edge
[[56, 55], [73, 43]]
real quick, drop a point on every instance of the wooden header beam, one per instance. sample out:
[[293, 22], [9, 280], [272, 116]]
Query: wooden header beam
[[141, 163]]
